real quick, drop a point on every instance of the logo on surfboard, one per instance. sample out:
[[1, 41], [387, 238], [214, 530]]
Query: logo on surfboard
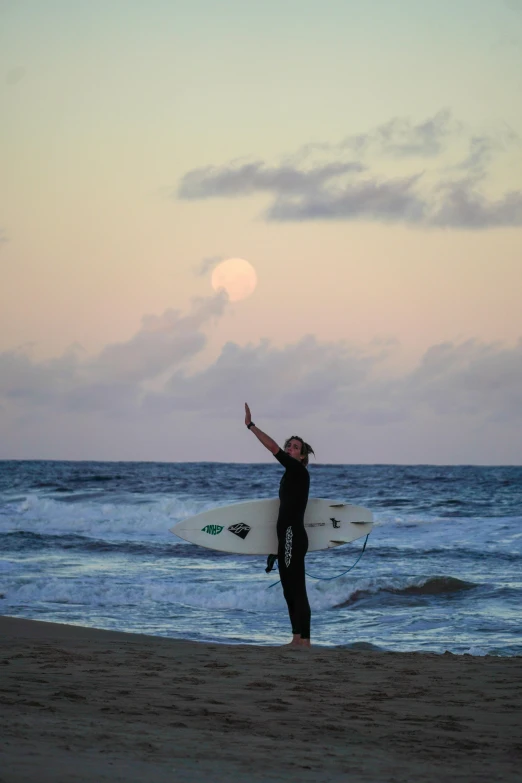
[[212, 530], [335, 522], [240, 529]]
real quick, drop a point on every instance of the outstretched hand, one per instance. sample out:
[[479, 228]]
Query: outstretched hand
[[248, 417]]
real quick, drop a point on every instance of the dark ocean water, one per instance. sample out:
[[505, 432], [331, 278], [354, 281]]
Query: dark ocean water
[[89, 543]]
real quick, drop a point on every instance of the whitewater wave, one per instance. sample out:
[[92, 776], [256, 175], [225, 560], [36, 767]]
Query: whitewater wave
[[208, 589], [150, 517], [22, 541], [35, 514]]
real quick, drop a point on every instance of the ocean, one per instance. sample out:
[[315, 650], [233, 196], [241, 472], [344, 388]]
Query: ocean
[[88, 543]]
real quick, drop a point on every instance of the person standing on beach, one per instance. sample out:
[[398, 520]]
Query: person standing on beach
[[291, 534]]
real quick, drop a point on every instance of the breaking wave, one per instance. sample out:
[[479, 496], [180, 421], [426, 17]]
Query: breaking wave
[[436, 585]]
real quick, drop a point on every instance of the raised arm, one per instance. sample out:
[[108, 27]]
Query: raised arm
[[265, 439]]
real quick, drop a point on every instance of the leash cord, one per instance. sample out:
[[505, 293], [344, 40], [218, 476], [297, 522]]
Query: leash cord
[[329, 578]]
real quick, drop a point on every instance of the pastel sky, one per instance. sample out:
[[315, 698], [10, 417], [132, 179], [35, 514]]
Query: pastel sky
[[364, 157]]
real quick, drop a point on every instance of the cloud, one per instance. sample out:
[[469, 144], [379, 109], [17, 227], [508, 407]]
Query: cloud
[[343, 382], [248, 178], [470, 378], [350, 387], [350, 184], [397, 139], [207, 264], [462, 207], [401, 138], [162, 342], [32, 382], [390, 200], [461, 403], [114, 380], [480, 154], [297, 379]]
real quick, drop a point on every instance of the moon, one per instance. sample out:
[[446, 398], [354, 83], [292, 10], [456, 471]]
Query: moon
[[236, 276]]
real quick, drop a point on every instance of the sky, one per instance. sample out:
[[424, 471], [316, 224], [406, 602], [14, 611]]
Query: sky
[[364, 158]]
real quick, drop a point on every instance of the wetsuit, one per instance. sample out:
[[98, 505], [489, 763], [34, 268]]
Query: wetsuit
[[293, 541]]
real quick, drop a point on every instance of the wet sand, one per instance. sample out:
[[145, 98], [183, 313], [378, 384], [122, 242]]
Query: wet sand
[[79, 704]]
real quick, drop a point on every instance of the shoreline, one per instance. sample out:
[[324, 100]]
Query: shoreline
[[356, 646], [86, 704]]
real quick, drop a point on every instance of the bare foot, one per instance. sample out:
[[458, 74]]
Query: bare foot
[[301, 644], [296, 641]]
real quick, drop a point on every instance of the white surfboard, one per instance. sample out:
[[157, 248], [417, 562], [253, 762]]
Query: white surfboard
[[250, 528]]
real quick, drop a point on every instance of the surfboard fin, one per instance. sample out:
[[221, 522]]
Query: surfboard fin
[[270, 562]]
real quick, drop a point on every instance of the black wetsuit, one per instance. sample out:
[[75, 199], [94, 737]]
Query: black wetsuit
[[293, 541]]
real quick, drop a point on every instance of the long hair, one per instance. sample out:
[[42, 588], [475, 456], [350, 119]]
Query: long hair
[[306, 449]]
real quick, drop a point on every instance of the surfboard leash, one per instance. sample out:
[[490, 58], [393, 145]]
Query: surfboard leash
[[329, 578]]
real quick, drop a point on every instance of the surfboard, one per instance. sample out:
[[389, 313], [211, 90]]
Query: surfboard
[[250, 528]]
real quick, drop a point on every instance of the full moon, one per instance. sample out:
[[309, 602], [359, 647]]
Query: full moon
[[236, 276]]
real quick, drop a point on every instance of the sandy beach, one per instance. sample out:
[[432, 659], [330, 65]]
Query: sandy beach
[[79, 704]]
